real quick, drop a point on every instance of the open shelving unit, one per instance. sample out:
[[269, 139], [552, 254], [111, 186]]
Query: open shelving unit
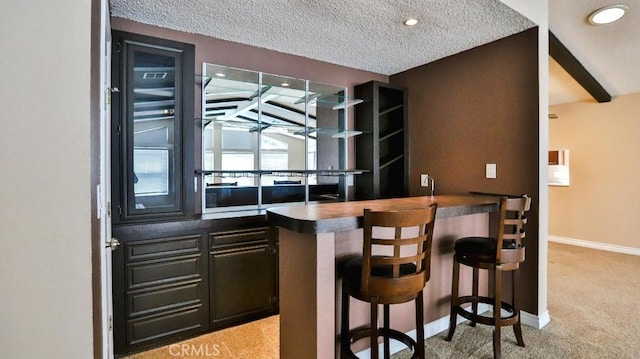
[[382, 149]]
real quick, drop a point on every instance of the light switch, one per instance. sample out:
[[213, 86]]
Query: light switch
[[491, 170]]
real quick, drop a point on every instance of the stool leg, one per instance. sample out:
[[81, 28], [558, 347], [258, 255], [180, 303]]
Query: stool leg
[[517, 329], [420, 325], [387, 350], [345, 342], [497, 304], [474, 293], [374, 328], [453, 316]]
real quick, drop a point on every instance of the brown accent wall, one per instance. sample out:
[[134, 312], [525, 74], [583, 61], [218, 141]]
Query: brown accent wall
[[474, 108]]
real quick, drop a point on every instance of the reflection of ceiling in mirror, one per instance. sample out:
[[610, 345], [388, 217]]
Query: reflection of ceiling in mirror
[[240, 97]]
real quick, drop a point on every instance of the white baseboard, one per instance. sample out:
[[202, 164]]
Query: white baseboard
[[535, 321], [595, 245]]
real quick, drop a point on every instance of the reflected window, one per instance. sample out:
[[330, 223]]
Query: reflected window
[[151, 172]]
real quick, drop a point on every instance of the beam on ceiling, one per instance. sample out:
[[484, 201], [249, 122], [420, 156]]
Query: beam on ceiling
[[565, 58]]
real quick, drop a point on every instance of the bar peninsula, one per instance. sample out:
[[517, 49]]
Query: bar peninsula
[[315, 239]]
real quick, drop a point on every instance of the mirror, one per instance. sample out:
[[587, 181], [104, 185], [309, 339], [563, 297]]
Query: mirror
[[271, 139]]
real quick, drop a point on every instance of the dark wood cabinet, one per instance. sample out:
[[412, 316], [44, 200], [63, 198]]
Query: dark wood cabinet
[[243, 275], [176, 275], [160, 287], [382, 149], [152, 128], [175, 280]]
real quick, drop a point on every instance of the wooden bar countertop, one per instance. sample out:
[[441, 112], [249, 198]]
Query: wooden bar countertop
[[345, 216]]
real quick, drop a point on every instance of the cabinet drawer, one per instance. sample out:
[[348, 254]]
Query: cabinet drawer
[[238, 237], [148, 329], [163, 299], [162, 247], [157, 272]]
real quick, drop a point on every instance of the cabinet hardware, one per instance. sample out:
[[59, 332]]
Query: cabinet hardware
[[113, 243]]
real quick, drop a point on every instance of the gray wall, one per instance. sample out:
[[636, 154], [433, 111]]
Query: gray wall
[[45, 211]]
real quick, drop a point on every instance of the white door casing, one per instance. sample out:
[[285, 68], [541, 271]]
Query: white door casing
[[104, 187]]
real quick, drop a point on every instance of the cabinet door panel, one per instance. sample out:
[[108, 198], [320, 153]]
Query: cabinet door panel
[[152, 156], [242, 283]]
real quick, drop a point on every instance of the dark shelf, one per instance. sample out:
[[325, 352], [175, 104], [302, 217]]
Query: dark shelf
[[391, 134], [384, 162], [389, 110], [384, 152]]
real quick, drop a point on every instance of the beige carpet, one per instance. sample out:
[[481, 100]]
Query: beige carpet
[[256, 340], [592, 303]]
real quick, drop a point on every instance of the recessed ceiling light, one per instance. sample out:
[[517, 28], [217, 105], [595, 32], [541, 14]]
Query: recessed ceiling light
[[411, 22], [608, 14], [285, 84], [220, 74]]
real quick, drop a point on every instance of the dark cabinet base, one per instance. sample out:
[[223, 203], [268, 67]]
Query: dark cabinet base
[[175, 280], [242, 272]]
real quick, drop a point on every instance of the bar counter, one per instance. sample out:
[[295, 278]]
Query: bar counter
[[314, 240]]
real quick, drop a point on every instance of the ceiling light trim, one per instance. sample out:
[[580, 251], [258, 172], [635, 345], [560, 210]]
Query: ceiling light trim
[[412, 21], [608, 14]]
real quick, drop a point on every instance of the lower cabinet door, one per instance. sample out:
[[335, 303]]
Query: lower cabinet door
[[242, 282]]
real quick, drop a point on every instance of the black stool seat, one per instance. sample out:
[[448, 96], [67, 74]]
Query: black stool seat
[[481, 249]]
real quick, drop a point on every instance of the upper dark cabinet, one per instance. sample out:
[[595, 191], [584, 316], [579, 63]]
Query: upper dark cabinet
[[152, 128], [382, 149]]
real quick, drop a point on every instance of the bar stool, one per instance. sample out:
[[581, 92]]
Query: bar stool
[[393, 269], [485, 253]]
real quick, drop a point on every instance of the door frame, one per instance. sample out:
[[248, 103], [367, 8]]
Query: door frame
[[100, 180]]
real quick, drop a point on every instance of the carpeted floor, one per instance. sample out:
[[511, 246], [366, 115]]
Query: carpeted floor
[[256, 340], [591, 302]]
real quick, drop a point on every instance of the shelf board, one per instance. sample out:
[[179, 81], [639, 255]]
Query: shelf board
[[294, 129], [385, 163], [391, 134], [389, 110], [279, 173]]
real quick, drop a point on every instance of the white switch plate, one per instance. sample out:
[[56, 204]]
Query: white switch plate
[[424, 180], [491, 170]]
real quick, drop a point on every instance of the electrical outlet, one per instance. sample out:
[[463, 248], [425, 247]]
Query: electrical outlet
[[491, 171], [424, 180]]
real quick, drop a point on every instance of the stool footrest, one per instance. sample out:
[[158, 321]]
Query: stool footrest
[[509, 320], [362, 333]]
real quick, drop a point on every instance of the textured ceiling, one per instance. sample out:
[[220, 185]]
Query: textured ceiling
[[611, 53], [363, 34], [369, 35]]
